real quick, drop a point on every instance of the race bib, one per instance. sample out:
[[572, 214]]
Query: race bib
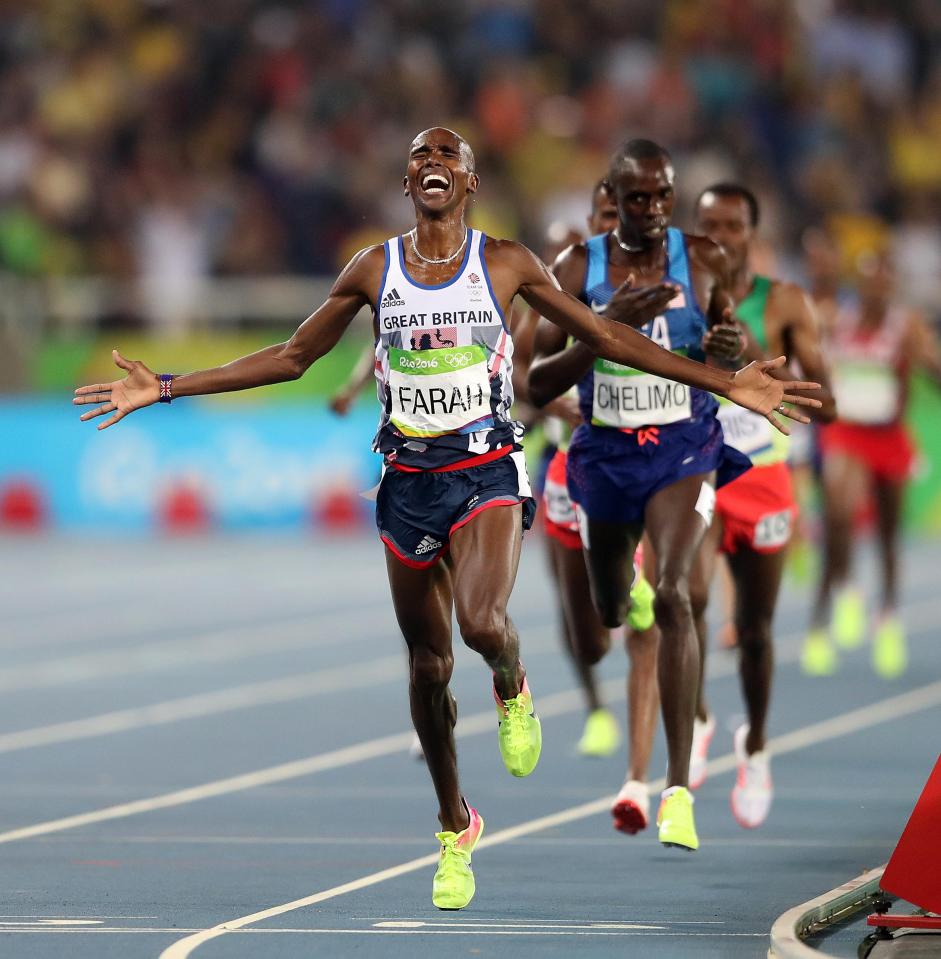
[[773, 530], [559, 507], [744, 430], [627, 399], [433, 392], [866, 393]]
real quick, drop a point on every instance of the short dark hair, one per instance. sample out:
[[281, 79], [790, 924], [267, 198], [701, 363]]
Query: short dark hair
[[636, 149], [602, 186], [735, 190]]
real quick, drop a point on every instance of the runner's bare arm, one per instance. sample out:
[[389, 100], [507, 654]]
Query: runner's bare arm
[[801, 330], [557, 364], [360, 375], [726, 340], [750, 387], [923, 349], [316, 336]]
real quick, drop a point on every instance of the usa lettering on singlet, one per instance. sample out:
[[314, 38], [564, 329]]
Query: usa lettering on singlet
[[620, 397], [444, 364], [867, 368]]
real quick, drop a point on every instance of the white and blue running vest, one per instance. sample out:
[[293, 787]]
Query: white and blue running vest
[[618, 397], [444, 364]]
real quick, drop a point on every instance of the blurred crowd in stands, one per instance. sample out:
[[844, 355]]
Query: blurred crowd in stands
[[173, 140]]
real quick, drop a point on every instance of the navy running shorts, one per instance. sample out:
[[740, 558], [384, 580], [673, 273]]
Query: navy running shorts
[[417, 512], [612, 474]]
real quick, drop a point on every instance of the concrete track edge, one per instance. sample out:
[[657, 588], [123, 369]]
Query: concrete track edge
[[790, 928]]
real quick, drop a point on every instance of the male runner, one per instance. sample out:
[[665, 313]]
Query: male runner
[[875, 347], [585, 637], [754, 513], [449, 445], [649, 455]]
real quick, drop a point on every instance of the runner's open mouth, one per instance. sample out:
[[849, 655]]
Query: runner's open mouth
[[435, 183]]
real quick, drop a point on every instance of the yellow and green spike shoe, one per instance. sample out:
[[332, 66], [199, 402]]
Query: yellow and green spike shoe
[[641, 616], [849, 618], [675, 819], [454, 886], [889, 649], [601, 736], [818, 657], [520, 732]]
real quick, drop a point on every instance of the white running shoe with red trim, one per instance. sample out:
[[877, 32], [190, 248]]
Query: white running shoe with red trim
[[631, 809], [752, 794], [699, 754]]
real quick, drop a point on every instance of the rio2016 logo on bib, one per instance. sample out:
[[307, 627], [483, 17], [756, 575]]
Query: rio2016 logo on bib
[[418, 363]]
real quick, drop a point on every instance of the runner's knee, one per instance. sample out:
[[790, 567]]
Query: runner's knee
[[754, 637], [484, 631], [430, 668], [671, 605], [591, 652]]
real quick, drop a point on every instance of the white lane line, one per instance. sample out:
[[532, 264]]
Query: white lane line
[[335, 679], [474, 725], [212, 646], [649, 932], [853, 721], [221, 642]]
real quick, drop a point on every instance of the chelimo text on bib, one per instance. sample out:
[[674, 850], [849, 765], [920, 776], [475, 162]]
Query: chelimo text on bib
[[439, 391], [628, 399]]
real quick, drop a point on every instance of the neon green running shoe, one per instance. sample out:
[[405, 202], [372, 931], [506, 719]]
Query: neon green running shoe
[[601, 736], [849, 619], [818, 657], [454, 886], [641, 616], [520, 732], [675, 819], [889, 649]]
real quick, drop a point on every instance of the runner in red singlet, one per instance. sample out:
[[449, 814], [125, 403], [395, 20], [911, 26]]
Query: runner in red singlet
[[876, 345]]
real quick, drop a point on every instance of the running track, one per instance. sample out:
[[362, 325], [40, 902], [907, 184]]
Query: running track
[[217, 733]]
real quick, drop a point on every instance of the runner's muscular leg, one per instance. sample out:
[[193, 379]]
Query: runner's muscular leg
[[704, 568], [643, 693], [890, 495], [569, 621], [485, 555], [422, 601], [757, 582], [843, 486], [590, 639], [676, 530], [609, 554]]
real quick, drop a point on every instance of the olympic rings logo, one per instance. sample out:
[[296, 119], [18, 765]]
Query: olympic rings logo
[[459, 360]]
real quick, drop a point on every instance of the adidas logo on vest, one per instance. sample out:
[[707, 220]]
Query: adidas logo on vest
[[392, 299]]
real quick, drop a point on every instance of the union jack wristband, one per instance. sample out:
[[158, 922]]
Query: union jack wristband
[[166, 387]]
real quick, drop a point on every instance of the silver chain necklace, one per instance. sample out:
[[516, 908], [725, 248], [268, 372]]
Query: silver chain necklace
[[624, 246], [413, 236]]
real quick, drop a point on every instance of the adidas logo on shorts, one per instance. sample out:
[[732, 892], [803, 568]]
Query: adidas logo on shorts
[[392, 298], [427, 545]]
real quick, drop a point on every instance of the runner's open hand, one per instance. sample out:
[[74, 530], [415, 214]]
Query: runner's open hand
[[754, 389], [636, 307], [137, 390], [726, 340]]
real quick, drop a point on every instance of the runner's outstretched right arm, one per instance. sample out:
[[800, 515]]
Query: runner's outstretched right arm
[[315, 337]]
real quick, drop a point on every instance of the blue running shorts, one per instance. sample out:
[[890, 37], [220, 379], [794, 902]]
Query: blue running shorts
[[612, 474], [417, 512]]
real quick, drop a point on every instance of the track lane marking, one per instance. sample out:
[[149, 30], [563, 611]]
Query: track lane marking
[[856, 720], [291, 688]]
